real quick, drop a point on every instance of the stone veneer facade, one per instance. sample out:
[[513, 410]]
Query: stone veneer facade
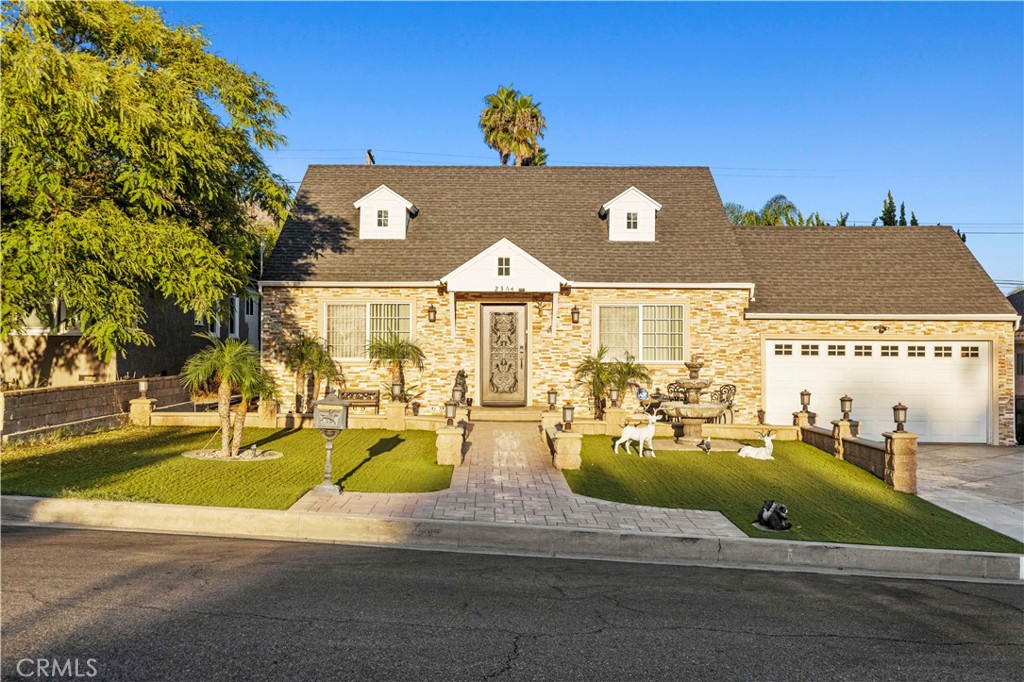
[[715, 326]]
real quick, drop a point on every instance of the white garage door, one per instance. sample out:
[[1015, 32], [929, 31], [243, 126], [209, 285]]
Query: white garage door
[[945, 384]]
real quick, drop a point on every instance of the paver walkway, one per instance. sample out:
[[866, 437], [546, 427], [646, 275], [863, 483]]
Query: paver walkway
[[507, 477]]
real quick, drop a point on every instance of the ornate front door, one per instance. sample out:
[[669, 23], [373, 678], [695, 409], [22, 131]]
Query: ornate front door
[[503, 361]]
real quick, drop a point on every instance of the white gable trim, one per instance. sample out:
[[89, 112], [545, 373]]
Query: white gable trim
[[479, 273], [635, 192], [386, 193]]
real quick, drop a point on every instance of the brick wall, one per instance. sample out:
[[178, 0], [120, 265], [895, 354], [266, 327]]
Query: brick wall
[[39, 408], [715, 326]]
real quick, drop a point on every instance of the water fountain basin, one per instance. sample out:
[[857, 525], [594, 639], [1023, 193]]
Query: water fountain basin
[[679, 409]]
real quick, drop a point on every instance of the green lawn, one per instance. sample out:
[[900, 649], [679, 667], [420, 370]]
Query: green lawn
[[146, 465], [828, 500]]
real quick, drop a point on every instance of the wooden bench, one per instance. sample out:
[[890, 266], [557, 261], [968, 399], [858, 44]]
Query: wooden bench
[[362, 399]]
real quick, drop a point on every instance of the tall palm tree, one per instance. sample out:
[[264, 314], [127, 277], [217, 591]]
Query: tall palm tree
[[230, 366], [511, 123], [778, 210], [392, 351]]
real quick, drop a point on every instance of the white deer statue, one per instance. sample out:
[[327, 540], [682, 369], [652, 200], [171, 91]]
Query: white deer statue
[[641, 434], [764, 452]]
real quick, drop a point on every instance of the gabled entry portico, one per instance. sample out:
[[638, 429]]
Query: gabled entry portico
[[503, 279]]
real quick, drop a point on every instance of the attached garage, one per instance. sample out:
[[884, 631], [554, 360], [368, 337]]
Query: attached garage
[[946, 384]]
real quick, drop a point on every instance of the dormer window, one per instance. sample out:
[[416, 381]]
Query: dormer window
[[384, 214], [504, 267], [630, 216]]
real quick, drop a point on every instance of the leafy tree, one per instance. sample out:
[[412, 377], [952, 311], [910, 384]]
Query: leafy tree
[[393, 352], [778, 210], [130, 158], [511, 123], [888, 216], [843, 217], [903, 216], [229, 366], [913, 219]]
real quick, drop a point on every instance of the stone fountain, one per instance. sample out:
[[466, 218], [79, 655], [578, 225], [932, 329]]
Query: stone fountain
[[690, 410]]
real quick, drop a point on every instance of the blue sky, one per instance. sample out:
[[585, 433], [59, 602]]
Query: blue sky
[[832, 104]]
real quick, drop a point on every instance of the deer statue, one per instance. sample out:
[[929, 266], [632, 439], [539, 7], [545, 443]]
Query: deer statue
[[641, 434], [764, 452]]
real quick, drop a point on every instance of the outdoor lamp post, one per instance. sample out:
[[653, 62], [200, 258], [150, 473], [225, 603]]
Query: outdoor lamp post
[[846, 406], [143, 387], [899, 415], [432, 313], [458, 394], [575, 314], [805, 400], [449, 412], [613, 394], [567, 411], [396, 391], [552, 399], [330, 415]]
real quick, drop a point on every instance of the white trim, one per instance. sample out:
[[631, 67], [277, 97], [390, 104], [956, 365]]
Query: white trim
[[394, 285], [938, 317], [236, 309], [632, 190], [595, 334], [383, 189], [502, 244]]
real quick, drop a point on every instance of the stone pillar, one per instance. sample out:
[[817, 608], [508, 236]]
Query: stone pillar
[[549, 420], [901, 461], [840, 430], [449, 445], [614, 418], [567, 449], [267, 413], [139, 411], [395, 416], [803, 419]]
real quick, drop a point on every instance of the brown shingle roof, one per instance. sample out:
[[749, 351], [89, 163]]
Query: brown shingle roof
[[867, 270], [551, 212]]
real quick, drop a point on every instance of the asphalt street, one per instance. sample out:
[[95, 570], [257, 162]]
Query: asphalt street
[[130, 606]]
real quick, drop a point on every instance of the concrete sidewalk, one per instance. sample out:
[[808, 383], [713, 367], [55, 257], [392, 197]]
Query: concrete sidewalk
[[983, 483]]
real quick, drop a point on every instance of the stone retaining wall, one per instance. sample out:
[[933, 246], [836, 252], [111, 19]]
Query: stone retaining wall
[[36, 411], [866, 454]]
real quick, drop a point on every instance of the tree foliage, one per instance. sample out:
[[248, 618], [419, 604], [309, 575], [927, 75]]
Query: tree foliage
[[512, 123], [130, 163], [309, 358], [392, 351], [778, 210], [888, 216]]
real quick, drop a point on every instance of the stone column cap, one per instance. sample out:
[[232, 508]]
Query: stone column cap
[[569, 434], [142, 401], [446, 430], [899, 435]]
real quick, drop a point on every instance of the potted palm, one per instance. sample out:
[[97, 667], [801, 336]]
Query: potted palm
[[309, 360], [393, 352], [228, 367], [622, 373], [594, 372]]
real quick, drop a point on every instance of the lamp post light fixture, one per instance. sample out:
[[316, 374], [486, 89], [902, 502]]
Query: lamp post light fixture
[[143, 387], [449, 412], [330, 415], [575, 314], [458, 394], [805, 400], [567, 411], [613, 395], [899, 415], [846, 406], [552, 399], [396, 391], [432, 313]]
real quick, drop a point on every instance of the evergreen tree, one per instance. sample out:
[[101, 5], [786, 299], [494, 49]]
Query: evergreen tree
[[903, 215], [888, 216], [913, 219]]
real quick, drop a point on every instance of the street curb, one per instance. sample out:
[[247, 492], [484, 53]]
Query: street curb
[[475, 537]]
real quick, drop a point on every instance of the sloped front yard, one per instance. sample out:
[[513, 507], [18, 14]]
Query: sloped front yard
[[828, 500], [146, 465]]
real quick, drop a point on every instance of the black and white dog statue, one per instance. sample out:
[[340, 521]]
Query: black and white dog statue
[[773, 516]]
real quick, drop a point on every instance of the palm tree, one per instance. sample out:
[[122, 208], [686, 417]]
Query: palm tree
[[229, 366], [308, 358], [511, 123], [778, 210], [622, 373], [392, 351], [538, 159], [594, 371]]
